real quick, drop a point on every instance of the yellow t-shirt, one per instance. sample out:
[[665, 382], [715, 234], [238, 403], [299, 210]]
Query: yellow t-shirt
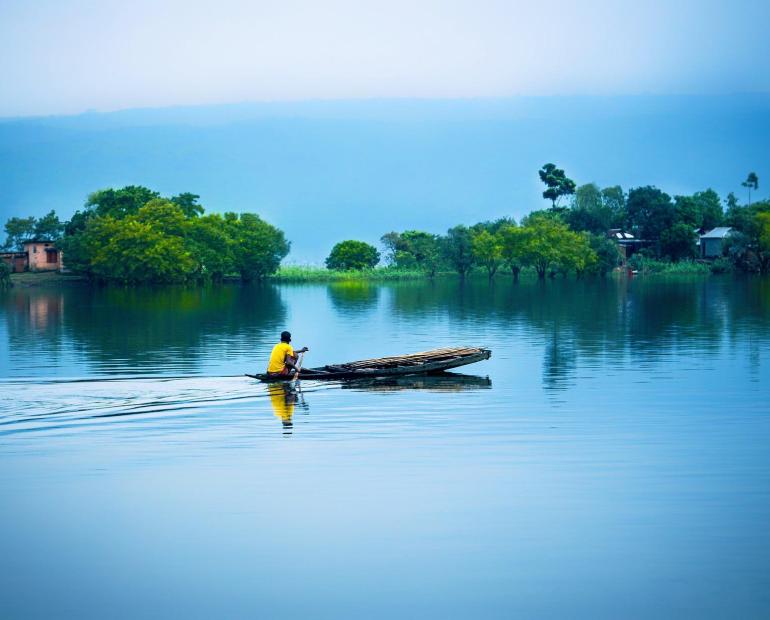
[[278, 356]]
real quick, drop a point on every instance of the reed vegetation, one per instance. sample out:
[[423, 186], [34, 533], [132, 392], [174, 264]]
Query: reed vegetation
[[310, 273]]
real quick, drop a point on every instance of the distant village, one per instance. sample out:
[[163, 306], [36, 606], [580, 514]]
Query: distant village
[[134, 235], [42, 254]]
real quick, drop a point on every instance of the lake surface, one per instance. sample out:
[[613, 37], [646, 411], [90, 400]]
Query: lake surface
[[611, 460]]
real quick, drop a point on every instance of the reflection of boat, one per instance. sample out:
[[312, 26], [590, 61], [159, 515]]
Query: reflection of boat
[[413, 364], [439, 382]]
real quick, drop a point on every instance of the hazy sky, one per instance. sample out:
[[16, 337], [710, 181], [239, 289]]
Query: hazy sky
[[64, 57]]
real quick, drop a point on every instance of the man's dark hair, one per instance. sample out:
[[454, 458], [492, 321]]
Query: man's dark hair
[[285, 337]]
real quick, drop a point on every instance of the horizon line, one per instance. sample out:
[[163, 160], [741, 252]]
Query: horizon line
[[93, 112]]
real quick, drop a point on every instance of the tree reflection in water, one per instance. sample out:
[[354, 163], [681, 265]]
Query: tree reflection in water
[[118, 329], [638, 320]]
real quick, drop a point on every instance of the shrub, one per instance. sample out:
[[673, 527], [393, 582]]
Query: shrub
[[352, 254], [5, 274], [721, 265]]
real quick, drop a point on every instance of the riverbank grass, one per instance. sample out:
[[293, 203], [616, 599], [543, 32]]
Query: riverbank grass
[[29, 279], [649, 266], [308, 273]]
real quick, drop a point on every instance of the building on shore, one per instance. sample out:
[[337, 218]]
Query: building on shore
[[628, 245], [36, 255], [712, 242]]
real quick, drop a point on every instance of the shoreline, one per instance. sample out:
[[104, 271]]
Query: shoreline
[[320, 275]]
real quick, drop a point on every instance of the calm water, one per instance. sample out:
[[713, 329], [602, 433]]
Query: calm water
[[611, 460]]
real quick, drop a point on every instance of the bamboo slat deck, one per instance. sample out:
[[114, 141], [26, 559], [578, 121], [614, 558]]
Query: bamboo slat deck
[[412, 359]]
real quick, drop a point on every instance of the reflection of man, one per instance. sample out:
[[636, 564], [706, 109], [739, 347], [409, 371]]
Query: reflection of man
[[283, 399], [283, 359]]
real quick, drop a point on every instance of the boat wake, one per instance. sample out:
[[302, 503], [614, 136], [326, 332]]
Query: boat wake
[[27, 405], [62, 405]]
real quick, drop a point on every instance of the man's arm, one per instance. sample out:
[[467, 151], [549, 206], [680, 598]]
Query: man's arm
[[290, 360]]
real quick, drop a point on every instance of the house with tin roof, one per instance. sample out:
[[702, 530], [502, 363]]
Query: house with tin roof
[[712, 242]]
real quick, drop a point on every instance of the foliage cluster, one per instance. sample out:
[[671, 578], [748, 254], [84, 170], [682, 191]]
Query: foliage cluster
[[5, 274], [350, 255], [20, 229], [543, 242], [133, 235], [646, 265], [748, 246], [303, 273], [669, 227]]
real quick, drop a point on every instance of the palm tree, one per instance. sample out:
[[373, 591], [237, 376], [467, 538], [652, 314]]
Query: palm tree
[[751, 182]]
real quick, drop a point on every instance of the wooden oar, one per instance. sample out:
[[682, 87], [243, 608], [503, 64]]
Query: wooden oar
[[299, 365]]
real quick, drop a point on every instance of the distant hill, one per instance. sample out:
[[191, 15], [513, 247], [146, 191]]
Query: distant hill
[[326, 171]]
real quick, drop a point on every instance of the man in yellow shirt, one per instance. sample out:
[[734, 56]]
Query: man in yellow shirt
[[283, 358]]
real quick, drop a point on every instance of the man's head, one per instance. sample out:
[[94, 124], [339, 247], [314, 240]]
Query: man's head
[[285, 337]]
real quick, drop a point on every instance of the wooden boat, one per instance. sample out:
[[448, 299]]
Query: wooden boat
[[425, 362]]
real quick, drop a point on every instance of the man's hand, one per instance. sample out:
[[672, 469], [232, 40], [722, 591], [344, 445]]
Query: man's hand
[[303, 350]]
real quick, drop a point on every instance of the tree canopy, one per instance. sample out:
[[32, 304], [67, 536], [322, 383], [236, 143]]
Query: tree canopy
[[5, 274], [751, 182], [457, 249], [413, 249], [351, 254], [557, 183], [134, 235]]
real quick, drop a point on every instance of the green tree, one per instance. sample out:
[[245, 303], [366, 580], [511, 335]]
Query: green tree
[[751, 182], [591, 212], [413, 249], [739, 217], [615, 200], [678, 241], [351, 254], [607, 255], [258, 247], [702, 210], [87, 235], [163, 215], [650, 212], [546, 243], [119, 203], [189, 204], [392, 243], [712, 214], [763, 240], [77, 222], [487, 250], [512, 239], [49, 227], [687, 211], [749, 247], [493, 226], [18, 230], [557, 183], [457, 249], [211, 248], [738, 248], [134, 235], [578, 254], [5, 274], [137, 252]]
